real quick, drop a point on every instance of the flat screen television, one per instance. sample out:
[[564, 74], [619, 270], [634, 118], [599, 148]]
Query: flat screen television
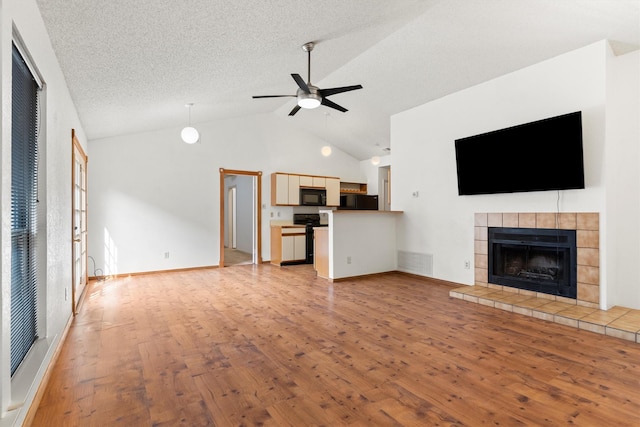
[[537, 156]]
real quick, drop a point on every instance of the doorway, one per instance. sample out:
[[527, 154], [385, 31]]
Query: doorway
[[384, 188], [240, 217], [231, 219], [79, 223]]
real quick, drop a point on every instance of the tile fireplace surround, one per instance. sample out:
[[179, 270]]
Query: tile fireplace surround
[[582, 312], [587, 226]]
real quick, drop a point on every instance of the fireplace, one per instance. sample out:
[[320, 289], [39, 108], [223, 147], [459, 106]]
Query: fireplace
[[535, 259]]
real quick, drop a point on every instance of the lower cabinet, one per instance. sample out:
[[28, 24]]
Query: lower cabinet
[[288, 244], [293, 248], [321, 251]]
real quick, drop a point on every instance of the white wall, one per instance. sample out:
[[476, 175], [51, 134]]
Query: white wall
[[59, 117], [150, 193], [439, 222], [623, 179], [361, 243]]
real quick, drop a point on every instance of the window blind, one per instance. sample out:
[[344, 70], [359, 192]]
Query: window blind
[[24, 186]]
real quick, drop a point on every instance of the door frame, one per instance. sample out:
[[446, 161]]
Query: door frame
[[258, 211], [76, 146]]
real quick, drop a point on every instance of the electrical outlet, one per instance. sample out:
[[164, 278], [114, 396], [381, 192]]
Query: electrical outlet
[[467, 264], [166, 255], [348, 260]]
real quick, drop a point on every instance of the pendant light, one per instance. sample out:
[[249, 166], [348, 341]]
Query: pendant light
[[326, 150], [189, 134]]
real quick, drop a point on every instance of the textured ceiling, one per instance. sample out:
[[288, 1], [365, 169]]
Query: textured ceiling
[[132, 65]]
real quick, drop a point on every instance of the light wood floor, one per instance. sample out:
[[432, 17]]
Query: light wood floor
[[236, 257], [264, 345]]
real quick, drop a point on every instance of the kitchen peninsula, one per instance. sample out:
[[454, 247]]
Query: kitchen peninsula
[[356, 243]]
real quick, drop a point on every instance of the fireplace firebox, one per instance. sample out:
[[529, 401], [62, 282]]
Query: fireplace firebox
[[540, 260]]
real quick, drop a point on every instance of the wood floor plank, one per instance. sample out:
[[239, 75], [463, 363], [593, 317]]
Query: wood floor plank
[[270, 346]]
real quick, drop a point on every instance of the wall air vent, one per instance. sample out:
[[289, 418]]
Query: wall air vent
[[415, 263]]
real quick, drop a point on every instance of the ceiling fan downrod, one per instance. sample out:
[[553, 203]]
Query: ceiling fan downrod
[[308, 47]]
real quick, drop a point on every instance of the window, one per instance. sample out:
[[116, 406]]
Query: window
[[24, 186]]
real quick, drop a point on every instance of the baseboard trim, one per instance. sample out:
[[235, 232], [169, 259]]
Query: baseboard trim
[[142, 273], [413, 276], [431, 279]]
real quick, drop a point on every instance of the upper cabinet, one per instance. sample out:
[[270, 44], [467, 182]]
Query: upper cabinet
[[320, 181], [333, 191], [285, 188], [279, 189]]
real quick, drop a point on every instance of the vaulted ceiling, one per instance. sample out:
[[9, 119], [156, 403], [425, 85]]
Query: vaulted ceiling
[[131, 66]]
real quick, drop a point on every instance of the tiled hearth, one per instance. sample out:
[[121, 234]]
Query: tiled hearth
[[620, 322], [582, 312]]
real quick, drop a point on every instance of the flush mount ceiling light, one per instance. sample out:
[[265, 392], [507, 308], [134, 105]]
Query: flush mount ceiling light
[[326, 151], [189, 134], [375, 160]]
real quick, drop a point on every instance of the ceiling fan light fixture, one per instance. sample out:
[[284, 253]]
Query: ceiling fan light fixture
[[310, 96], [309, 100]]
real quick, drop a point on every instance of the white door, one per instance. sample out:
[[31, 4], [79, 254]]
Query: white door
[[79, 226]]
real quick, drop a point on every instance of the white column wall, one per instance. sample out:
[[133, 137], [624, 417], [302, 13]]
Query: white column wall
[[623, 180]]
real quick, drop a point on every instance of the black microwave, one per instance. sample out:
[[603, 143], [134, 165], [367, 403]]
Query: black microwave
[[313, 197]]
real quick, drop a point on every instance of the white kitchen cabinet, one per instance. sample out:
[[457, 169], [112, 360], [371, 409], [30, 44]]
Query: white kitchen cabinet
[[306, 181], [333, 191], [279, 189], [319, 181], [294, 189], [288, 244], [293, 248], [285, 189]]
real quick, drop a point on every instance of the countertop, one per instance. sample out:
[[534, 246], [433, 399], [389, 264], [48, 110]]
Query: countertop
[[356, 211]]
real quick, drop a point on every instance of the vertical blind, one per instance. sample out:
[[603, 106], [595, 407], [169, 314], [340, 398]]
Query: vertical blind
[[24, 186]]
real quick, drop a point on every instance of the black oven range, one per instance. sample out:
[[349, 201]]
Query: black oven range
[[309, 221]]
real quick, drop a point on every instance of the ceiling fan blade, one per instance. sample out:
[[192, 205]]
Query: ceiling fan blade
[[333, 91], [301, 82], [295, 110], [333, 105], [274, 96]]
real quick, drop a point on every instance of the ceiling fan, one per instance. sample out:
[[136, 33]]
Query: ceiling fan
[[310, 96]]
